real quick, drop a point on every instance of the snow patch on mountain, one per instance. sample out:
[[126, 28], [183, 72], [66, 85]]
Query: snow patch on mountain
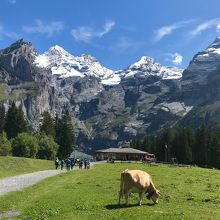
[[212, 51], [62, 63], [146, 66], [177, 108]]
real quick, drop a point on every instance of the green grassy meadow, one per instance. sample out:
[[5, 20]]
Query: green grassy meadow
[[187, 193], [11, 166]]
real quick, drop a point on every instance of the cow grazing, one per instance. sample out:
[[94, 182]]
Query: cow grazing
[[137, 181]]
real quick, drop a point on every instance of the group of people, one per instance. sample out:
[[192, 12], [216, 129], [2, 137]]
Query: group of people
[[70, 163], [85, 163]]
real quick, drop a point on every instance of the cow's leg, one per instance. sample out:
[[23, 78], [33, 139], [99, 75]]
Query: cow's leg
[[140, 198], [126, 197], [119, 197]]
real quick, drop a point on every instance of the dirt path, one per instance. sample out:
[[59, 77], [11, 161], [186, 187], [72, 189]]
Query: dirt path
[[20, 182]]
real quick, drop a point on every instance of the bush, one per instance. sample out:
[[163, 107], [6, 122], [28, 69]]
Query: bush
[[25, 145], [5, 145], [47, 147]]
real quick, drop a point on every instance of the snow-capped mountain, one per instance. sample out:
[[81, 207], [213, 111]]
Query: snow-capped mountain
[[64, 64], [146, 66], [141, 99], [203, 63]]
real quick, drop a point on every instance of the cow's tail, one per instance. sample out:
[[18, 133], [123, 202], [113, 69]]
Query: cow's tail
[[122, 185]]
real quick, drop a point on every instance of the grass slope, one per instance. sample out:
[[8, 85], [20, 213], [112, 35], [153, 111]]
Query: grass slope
[[11, 166], [187, 193]]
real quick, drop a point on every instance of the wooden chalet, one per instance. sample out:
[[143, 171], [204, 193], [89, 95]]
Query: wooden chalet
[[124, 154]]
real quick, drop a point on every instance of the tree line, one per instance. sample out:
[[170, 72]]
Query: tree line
[[200, 146], [54, 138]]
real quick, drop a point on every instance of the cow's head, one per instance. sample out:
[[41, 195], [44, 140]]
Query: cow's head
[[155, 196]]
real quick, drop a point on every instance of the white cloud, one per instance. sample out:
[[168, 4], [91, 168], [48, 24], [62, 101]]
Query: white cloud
[[174, 58], [177, 58], [7, 34], [167, 30], [126, 45], [206, 25], [12, 1], [86, 34], [218, 28], [49, 29]]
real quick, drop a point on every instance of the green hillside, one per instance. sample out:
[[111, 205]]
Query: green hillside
[[11, 166], [187, 193]]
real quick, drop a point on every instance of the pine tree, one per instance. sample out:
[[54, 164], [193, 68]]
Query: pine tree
[[15, 122], [200, 146], [182, 145], [22, 123], [2, 117], [214, 151], [164, 144], [48, 125], [191, 140], [146, 144], [64, 136], [133, 142]]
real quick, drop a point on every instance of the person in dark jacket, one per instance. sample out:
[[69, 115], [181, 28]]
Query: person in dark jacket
[[56, 163]]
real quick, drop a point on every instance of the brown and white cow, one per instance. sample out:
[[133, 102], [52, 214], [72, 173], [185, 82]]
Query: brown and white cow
[[137, 181]]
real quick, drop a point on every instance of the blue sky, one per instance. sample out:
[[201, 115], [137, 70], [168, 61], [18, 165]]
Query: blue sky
[[116, 32]]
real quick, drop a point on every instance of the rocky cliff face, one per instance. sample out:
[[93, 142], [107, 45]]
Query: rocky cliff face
[[107, 107]]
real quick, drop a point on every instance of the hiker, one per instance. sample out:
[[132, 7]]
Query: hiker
[[80, 164], [56, 163], [71, 164], [88, 165], [62, 164], [68, 164]]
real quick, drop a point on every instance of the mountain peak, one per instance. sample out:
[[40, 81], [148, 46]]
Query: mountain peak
[[19, 45], [215, 44], [57, 50], [145, 60], [88, 57]]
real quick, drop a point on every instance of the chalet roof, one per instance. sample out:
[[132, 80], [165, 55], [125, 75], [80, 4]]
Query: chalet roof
[[125, 150]]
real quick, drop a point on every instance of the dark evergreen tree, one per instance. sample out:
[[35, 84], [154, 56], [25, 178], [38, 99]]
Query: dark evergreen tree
[[144, 144], [200, 146], [191, 141], [2, 117], [214, 150], [133, 142], [148, 144], [48, 124], [22, 123], [64, 136], [164, 144], [15, 122], [182, 145]]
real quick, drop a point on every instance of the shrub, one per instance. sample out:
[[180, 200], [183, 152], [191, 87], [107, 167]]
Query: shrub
[[25, 145], [47, 147], [5, 145]]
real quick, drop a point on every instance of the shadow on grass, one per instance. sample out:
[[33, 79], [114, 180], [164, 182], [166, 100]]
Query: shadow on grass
[[116, 206]]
